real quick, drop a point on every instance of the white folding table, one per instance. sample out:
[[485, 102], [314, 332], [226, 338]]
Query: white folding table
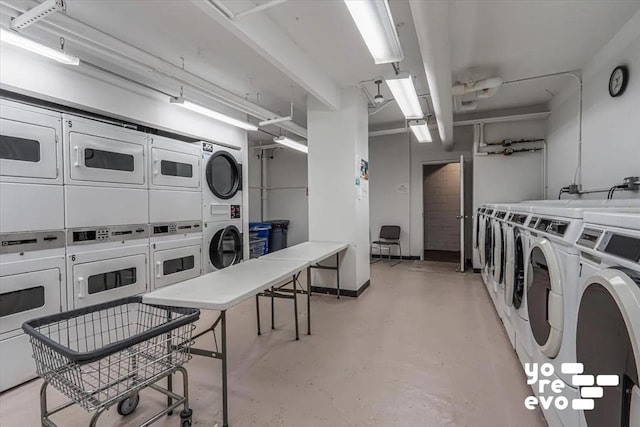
[[222, 290], [312, 253]]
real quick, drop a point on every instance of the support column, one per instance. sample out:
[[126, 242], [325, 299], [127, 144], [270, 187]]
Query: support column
[[338, 209]]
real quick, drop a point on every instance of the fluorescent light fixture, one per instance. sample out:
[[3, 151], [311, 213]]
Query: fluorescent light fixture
[[15, 39], [291, 143], [420, 130], [404, 92], [213, 114], [375, 23]]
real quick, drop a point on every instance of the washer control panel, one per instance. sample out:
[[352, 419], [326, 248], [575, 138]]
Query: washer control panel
[[30, 241], [235, 212], [170, 228]]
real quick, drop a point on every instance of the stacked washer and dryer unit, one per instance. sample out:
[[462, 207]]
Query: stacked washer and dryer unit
[[32, 250], [92, 212], [221, 206]]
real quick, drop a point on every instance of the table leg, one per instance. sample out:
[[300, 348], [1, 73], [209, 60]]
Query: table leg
[[338, 273], [258, 312], [308, 300], [223, 326], [295, 305], [272, 310]]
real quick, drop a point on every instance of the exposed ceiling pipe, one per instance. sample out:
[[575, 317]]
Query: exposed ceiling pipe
[[431, 19], [106, 45], [467, 106]]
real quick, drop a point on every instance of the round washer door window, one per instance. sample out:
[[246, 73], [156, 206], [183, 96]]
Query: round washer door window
[[607, 344], [225, 248], [224, 175], [545, 302], [498, 253], [518, 269], [488, 244]]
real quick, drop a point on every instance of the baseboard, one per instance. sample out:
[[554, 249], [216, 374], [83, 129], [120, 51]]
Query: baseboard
[[476, 270], [404, 258], [343, 292]]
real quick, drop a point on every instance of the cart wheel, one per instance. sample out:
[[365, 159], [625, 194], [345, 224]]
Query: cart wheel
[[185, 418], [128, 405]]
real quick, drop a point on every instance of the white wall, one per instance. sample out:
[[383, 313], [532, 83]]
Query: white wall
[[611, 126], [397, 160], [254, 171]]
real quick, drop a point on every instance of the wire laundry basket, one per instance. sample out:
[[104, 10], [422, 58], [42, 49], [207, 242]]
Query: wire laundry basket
[[102, 354]]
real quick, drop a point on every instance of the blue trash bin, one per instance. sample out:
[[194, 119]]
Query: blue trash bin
[[261, 230]]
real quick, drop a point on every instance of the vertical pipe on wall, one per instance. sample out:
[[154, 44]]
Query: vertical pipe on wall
[[263, 185]]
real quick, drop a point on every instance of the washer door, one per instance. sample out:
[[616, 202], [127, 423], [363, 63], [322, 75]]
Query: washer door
[[545, 298], [481, 239], [488, 244], [225, 248], [224, 175], [498, 252], [607, 337], [515, 280]]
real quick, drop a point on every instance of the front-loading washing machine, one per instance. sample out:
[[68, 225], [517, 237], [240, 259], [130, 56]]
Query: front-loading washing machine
[[32, 284], [608, 318], [176, 252], [486, 254], [106, 263], [477, 226], [223, 240], [516, 319], [104, 174], [221, 180], [498, 256], [30, 168], [175, 178]]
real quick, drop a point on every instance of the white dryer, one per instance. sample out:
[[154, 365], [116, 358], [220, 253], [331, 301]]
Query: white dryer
[[176, 252], [174, 182], [30, 168], [516, 319], [32, 284], [608, 318], [486, 253], [221, 180], [499, 256], [105, 174], [477, 226], [106, 263], [223, 240]]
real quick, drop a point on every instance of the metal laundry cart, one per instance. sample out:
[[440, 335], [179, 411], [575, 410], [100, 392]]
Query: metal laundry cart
[[103, 355]]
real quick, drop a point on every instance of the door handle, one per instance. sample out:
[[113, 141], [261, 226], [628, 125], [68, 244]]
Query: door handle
[[76, 151], [155, 167], [158, 270], [79, 287], [459, 216]]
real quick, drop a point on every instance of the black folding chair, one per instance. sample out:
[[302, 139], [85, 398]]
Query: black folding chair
[[389, 237]]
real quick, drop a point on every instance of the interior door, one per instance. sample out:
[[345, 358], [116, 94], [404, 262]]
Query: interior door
[[26, 296], [174, 169], [29, 149], [175, 265], [461, 217], [97, 159], [106, 280]]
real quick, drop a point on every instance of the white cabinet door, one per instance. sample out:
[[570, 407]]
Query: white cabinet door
[[28, 148], [174, 169], [26, 296], [175, 265], [107, 280]]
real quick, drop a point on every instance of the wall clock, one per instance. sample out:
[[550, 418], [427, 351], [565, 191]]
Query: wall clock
[[618, 81]]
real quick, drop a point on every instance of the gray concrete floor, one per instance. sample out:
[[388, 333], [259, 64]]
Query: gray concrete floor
[[416, 349]]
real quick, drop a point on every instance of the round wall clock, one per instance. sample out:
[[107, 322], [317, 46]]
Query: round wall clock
[[618, 81]]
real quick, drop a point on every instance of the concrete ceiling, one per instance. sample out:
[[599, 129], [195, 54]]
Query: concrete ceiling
[[512, 40]]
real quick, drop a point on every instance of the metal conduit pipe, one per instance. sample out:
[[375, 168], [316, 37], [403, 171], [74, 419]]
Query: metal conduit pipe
[[108, 46]]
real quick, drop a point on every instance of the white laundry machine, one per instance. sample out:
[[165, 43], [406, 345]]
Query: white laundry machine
[[105, 174], [176, 252], [106, 263], [499, 256], [486, 254], [174, 183], [608, 318], [221, 180], [30, 168], [477, 226], [516, 318], [223, 240], [32, 284]]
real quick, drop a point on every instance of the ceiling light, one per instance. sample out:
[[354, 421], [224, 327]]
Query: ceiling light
[[291, 143], [375, 23], [420, 130], [15, 39], [404, 92], [213, 114]]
